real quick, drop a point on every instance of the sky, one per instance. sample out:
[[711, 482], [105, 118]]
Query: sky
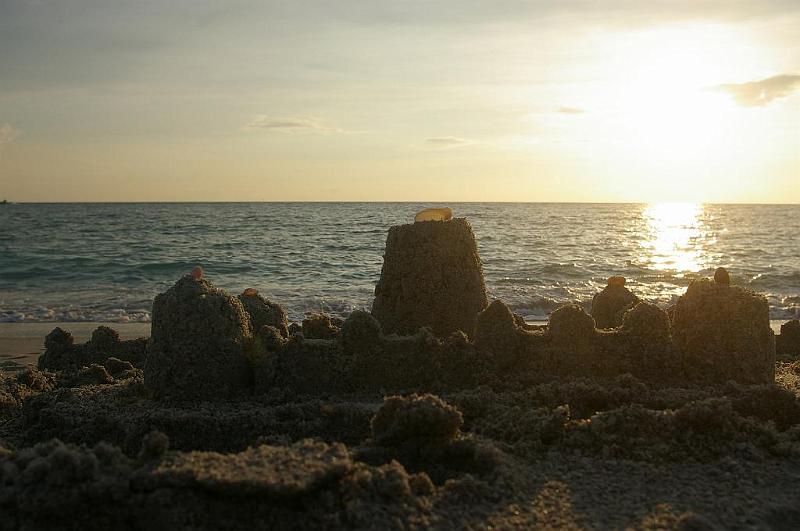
[[437, 100]]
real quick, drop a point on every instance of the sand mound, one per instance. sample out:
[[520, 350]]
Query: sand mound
[[264, 312], [62, 354], [787, 343], [724, 330], [415, 419], [609, 305], [197, 348], [319, 326], [431, 277]]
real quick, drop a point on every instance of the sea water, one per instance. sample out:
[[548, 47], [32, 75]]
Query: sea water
[[106, 262]]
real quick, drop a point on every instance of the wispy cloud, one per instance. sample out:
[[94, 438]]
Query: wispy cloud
[[7, 134], [570, 110], [762, 92], [293, 124], [448, 141]]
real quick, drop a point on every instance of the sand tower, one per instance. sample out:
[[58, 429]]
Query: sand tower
[[724, 331], [609, 305], [197, 344], [432, 277]]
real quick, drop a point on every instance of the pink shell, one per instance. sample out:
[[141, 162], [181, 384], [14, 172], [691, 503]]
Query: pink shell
[[197, 273]]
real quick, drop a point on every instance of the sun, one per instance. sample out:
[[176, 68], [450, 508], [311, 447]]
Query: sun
[[665, 110], [665, 132]]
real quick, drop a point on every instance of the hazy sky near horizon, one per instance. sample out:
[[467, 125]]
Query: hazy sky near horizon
[[439, 100]]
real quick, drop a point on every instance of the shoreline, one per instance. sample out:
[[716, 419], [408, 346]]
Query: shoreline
[[22, 343]]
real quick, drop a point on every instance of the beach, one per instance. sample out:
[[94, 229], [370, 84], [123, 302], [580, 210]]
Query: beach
[[399, 265], [438, 408], [22, 343]]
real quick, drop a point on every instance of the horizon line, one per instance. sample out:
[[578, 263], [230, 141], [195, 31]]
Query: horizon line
[[177, 202]]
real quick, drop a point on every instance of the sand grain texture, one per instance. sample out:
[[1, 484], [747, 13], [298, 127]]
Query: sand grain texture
[[431, 277]]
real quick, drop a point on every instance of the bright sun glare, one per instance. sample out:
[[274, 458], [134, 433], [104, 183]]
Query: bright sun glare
[[676, 237], [664, 118], [667, 104]]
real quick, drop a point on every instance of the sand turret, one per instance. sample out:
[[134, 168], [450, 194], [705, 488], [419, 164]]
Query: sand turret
[[197, 348], [432, 277], [724, 330], [787, 344], [609, 305], [264, 312]]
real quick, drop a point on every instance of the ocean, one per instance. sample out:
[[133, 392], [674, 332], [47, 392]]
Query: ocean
[[106, 262]]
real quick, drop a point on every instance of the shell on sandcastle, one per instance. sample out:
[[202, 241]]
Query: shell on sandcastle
[[434, 214], [197, 343], [431, 277], [725, 330]]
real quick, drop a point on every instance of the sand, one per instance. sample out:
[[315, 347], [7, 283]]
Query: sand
[[577, 454], [22, 343], [423, 432]]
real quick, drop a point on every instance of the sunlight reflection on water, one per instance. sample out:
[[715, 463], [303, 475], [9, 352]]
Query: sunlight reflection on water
[[677, 237]]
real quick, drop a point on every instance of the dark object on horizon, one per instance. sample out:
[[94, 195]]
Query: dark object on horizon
[[721, 276], [787, 343], [197, 344], [609, 305], [5, 202], [724, 330], [431, 276]]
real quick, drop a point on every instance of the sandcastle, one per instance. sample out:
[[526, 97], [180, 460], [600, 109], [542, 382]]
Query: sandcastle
[[432, 277], [787, 343], [226, 427], [430, 328], [264, 312], [62, 354], [609, 305], [197, 344], [725, 329]]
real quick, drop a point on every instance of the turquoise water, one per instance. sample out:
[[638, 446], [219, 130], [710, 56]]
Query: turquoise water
[[106, 262]]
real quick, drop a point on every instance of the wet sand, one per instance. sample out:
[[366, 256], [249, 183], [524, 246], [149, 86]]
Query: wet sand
[[22, 343]]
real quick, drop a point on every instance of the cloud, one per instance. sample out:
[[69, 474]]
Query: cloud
[[758, 93], [7, 134], [570, 110], [448, 141], [296, 124]]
